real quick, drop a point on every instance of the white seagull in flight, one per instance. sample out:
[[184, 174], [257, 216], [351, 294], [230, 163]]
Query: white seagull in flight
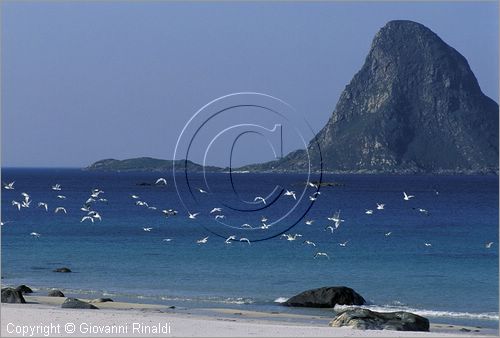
[[161, 180], [16, 204], [380, 206], [259, 198], [407, 197], [244, 239], [60, 209], [319, 254], [56, 187], [310, 243], [193, 216], [215, 210], [42, 204], [87, 218], [202, 241], [9, 186], [290, 193]]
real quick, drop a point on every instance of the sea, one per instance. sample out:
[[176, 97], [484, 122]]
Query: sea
[[427, 255]]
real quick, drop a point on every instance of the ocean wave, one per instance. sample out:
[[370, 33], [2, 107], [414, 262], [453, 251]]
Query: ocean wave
[[280, 300], [424, 312]]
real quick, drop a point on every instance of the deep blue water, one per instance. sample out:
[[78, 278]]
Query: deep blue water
[[454, 280]]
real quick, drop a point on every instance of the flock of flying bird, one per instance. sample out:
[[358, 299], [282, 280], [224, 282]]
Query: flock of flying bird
[[91, 215]]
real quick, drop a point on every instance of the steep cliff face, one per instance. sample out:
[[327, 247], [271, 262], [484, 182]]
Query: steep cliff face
[[415, 106]]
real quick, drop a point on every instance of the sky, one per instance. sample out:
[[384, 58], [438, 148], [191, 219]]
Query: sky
[[84, 81]]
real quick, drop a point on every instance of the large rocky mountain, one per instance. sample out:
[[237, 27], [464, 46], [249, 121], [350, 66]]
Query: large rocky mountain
[[415, 106]]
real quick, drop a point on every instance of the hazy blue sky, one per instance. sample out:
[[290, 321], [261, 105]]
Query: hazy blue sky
[[86, 81]]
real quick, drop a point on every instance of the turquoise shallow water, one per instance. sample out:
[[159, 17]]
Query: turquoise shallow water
[[455, 280]]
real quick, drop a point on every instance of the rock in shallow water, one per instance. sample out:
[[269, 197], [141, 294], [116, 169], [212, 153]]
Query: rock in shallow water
[[10, 295], [24, 289], [55, 293], [64, 269], [101, 300], [364, 319], [326, 297], [73, 303]]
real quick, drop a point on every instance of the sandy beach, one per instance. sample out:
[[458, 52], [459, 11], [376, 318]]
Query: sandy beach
[[43, 316]]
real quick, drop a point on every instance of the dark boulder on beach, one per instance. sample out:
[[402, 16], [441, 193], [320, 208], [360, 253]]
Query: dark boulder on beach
[[326, 297], [364, 319], [101, 300], [10, 295], [73, 303], [24, 289], [63, 269], [55, 293]]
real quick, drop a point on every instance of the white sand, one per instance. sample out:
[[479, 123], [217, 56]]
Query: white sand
[[44, 311]]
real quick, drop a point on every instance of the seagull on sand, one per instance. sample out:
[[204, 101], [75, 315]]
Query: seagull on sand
[[56, 187], [488, 245], [161, 180], [9, 186], [259, 198], [16, 204], [309, 222], [215, 210], [290, 193], [244, 239], [35, 234], [42, 204], [84, 218], [309, 243], [380, 206], [319, 254], [202, 241], [60, 209], [344, 244], [193, 216], [407, 197]]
